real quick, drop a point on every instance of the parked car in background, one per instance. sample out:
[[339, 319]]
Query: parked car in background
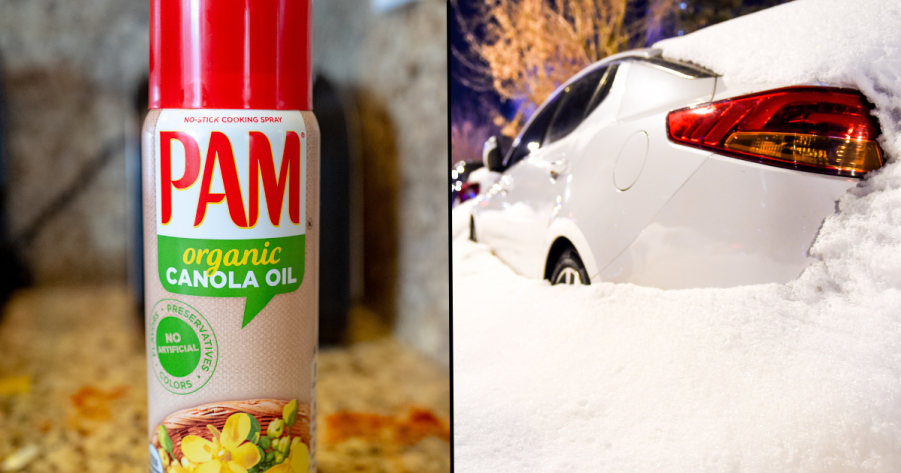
[[647, 170], [461, 189], [469, 183]]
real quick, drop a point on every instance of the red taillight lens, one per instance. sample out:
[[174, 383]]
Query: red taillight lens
[[818, 129], [468, 191]]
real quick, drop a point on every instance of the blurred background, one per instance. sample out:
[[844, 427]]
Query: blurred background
[[74, 95], [508, 56]]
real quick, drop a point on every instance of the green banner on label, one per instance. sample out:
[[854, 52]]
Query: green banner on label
[[257, 269]]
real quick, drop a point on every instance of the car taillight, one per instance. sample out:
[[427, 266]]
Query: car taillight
[[817, 129], [468, 191]]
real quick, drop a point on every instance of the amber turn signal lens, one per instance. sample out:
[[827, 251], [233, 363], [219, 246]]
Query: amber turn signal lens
[[848, 156]]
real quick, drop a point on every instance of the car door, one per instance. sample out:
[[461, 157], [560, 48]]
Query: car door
[[610, 216], [505, 218], [532, 188]]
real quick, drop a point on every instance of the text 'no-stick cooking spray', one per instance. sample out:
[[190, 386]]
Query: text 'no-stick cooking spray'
[[231, 233]]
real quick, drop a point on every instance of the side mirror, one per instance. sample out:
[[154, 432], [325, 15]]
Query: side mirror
[[493, 152]]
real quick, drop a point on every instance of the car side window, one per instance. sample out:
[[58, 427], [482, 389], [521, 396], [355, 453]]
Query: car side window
[[574, 101], [603, 88], [578, 101], [533, 136]]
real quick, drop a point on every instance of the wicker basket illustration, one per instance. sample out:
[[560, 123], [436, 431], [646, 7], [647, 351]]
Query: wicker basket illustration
[[194, 421]]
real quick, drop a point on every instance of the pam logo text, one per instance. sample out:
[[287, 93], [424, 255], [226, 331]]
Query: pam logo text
[[220, 157]]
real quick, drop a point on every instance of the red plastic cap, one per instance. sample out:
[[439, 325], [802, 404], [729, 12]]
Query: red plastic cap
[[239, 54]]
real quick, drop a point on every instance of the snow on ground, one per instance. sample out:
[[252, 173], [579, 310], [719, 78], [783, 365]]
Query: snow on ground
[[802, 377], [623, 378]]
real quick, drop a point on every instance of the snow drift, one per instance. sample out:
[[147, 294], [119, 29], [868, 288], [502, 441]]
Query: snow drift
[[802, 377]]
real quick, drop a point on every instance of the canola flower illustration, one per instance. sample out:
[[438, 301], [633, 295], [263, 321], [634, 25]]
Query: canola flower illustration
[[297, 462], [160, 461], [238, 448], [227, 452], [184, 467]]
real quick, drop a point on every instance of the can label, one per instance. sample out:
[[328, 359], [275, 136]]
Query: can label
[[230, 191], [231, 220]]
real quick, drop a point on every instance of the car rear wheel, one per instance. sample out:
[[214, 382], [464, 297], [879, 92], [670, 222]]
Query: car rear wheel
[[569, 269]]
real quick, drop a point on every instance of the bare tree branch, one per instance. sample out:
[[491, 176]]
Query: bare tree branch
[[530, 47]]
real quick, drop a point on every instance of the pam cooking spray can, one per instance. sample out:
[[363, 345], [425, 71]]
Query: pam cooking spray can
[[231, 237]]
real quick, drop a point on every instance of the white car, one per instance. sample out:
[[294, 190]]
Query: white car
[[646, 170]]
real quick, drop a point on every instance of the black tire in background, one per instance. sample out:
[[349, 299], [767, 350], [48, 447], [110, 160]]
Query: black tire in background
[[569, 269]]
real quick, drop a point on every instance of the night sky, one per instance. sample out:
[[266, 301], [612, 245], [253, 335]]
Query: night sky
[[695, 14]]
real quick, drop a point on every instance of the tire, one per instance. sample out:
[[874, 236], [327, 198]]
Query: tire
[[569, 269], [472, 229]]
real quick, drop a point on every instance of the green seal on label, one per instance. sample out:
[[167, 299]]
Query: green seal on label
[[177, 346], [183, 346]]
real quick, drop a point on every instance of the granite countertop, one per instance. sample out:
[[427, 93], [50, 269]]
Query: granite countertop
[[73, 393]]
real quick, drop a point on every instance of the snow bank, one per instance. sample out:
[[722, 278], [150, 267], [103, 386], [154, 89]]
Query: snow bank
[[803, 377], [460, 219], [620, 378]]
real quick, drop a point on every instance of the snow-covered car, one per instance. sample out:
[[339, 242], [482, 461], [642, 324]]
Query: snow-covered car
[[647, 170]]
